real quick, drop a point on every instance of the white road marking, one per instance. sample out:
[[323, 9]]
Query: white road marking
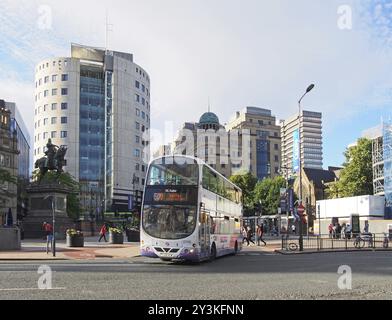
[[29, 289]]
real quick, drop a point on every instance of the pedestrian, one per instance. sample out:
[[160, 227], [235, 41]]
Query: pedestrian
[[260, 233], [338, 230], [249, 236], [244, 234], [330, 230], [343, 233], [103, 232], [366, 229], [334, 231], [48, 228], [348, 231]]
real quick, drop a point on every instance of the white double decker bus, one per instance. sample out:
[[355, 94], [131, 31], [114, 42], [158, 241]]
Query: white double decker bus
[[190, 212]]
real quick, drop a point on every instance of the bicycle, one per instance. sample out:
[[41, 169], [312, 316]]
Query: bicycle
[[359, 242]]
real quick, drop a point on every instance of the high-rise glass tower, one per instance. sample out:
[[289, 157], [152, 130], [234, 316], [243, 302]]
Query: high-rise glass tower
[[97, 103]]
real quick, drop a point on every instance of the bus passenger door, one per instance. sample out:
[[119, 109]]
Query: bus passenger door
[[204, 235]]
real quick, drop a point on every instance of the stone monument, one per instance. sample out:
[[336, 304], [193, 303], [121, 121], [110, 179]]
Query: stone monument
[[48, 199]]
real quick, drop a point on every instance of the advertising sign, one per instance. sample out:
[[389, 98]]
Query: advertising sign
[[296, 151]]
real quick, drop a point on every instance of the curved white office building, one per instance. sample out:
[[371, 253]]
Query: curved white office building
[[97, 103]]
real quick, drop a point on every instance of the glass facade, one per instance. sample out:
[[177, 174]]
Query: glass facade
[[387, 133], [92, 125], [263, 155]]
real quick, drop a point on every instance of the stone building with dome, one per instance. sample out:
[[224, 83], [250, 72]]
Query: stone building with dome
[[207, 140]]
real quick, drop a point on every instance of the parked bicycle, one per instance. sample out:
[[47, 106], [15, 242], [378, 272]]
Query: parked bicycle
[[361, 240]]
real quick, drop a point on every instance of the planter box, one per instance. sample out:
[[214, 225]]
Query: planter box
[[75, 241], [133, 236], [116, 238]]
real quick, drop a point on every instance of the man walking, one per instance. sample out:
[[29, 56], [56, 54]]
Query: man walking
[[260, 233]]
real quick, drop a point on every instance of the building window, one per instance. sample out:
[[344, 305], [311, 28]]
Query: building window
[[143, 115], [137, 139], [54, 106], [143, 101], [64, 91], [64, 120], [45, 135], [137, 98], [46, 93], [46, 79], [136, 153], [276, 146], [64, 134], [64, 77], [137, 167], [45, 107], [64, 106], [54, 78], [143, 88], [54, 120], [137, 112], [53, 135], [46, 121], [54, 92], [276, 158], [137, 84], [40, 81], [137, 126]]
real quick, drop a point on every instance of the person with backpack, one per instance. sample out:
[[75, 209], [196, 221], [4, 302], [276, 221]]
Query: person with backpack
[[260, 233]]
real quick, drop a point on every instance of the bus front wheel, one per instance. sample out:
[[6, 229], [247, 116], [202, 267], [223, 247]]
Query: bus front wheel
[[213, 252], [236, 248]]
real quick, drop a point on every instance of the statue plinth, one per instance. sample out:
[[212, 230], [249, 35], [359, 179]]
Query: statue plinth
[[40, 204]]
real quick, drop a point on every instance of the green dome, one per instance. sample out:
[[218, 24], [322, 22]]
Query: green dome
[[209, 118]]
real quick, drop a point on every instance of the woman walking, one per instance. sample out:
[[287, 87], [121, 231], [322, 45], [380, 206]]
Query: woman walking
[[102, 233]]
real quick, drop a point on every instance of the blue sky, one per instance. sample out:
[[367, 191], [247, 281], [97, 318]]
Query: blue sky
[[238, 53]]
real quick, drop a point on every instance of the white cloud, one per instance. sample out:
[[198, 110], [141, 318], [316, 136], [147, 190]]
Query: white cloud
[[251, 52]]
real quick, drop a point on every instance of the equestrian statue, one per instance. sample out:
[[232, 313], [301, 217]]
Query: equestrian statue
[[54, 159]]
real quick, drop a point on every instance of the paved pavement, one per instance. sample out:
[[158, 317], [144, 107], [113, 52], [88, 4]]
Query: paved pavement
[[36, 250], [253, 274]]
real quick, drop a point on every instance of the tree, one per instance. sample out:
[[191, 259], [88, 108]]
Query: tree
[[267, 192], [6, 178], [73, 203], [356, 178], [247, 182]]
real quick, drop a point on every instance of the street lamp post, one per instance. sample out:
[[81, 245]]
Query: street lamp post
[[310, 88]]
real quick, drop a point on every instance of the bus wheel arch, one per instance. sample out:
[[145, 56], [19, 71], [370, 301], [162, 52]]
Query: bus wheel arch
[[213, 252], [236, 248]]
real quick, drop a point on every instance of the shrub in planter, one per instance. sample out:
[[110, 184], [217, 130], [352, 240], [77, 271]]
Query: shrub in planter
[[75, 239], [116, 236]]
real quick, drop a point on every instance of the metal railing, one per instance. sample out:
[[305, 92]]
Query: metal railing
[[347, 243]]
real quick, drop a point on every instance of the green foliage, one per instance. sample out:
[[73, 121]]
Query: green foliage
[[6, 176], [268, 192], [65, 179], [356, 178], [247, 182]]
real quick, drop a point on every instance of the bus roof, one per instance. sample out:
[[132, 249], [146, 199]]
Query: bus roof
[[199, 161]]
